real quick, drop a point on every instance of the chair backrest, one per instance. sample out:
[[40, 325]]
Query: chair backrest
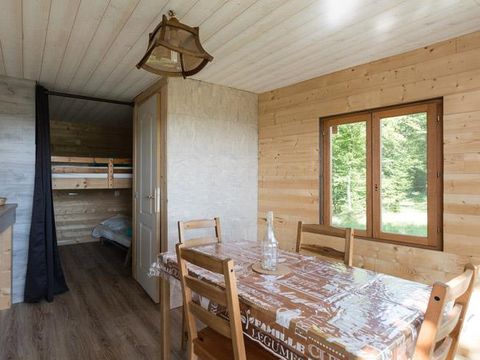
[[199, 224], [319, 229], [227, 297], [440, 330]]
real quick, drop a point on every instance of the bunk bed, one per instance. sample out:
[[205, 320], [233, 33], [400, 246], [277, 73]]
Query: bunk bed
[[74, 173]]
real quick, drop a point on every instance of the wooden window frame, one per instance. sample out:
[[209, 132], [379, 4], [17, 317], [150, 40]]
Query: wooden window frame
[[372, 118]]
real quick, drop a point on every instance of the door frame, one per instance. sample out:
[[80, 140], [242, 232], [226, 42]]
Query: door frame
[[159, 90]]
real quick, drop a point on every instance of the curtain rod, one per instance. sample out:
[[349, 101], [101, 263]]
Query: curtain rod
[[82, 97]]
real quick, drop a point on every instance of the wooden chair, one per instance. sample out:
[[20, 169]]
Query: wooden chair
[[438, 336], [221, 339], [204, 240], [347, 234], [199, 224]]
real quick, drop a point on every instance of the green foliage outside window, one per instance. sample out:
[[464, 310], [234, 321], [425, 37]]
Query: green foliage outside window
[[349, 174], [403, 174]]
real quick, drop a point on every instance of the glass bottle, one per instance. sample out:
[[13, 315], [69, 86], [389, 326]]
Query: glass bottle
[[269, 246]]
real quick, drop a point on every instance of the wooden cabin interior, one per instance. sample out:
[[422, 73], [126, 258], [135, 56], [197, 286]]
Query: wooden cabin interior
[[240, 179]]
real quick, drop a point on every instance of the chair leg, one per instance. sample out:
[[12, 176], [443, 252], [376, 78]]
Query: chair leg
[[128, 257], [165, 319], [186, 345], [190, 354], [184, 330]]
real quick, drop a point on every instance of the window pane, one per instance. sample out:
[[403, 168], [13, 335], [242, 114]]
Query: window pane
[[404, 174], [349, 175]]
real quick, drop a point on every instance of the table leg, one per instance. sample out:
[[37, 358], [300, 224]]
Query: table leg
[[165, 318]]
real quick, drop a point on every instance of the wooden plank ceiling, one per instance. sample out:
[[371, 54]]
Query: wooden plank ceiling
[[90, 112], [91, 46]]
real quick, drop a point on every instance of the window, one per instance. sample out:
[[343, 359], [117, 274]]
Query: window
[[382, 173]]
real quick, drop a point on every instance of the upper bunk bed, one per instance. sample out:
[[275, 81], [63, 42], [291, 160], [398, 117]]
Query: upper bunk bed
[[75, 173]]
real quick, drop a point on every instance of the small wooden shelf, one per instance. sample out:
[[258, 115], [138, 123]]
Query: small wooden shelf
[[75, 173]]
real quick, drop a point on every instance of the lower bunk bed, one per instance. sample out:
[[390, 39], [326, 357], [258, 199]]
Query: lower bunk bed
[[117, 230]]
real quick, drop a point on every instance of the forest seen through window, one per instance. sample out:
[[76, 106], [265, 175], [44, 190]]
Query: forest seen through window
[[403, 169]]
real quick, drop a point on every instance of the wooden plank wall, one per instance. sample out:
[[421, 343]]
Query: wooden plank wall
[[77, 212], [17, 167], [289, 152], [80, 139]]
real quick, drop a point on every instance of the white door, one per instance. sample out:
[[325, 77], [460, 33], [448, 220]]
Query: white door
[[147, 230]]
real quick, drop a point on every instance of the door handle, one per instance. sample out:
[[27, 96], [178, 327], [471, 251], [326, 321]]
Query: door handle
[[150, 196], [157, 199]]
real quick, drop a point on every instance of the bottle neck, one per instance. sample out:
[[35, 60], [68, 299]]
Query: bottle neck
[[270, 235], [270, 219], [270, 232], [270, 224]]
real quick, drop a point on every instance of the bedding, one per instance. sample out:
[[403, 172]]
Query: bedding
[[117, 229]]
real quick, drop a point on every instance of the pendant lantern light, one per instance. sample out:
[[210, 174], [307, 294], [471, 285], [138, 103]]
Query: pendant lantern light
[[174, 49]]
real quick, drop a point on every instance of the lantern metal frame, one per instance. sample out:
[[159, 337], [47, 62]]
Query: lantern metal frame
[[156, 41]]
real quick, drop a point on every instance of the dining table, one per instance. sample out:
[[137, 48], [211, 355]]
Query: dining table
[[318, 309]]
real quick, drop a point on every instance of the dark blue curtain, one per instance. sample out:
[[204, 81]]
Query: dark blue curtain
[[44, 270]]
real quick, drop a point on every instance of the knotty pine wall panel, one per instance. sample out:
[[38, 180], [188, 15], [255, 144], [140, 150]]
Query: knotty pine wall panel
[[289, 155], [80, 139], [77, 212]]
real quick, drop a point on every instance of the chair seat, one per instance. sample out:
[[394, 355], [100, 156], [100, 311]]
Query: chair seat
[[210, 345]]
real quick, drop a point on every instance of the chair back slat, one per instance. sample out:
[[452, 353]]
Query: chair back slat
[[320, 229], [459, 285], [228, 297], [324, 251], [441, 353], [211, 320], [202, 260], [206, 290], [449, 323], [199, 224], [206, 240], [196, 225], [440, 330]]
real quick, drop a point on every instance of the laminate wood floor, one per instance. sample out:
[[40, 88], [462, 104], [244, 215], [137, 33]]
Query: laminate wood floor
[[105, 315]]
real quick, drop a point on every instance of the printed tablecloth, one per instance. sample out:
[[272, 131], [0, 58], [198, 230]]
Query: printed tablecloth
[[321, 309]]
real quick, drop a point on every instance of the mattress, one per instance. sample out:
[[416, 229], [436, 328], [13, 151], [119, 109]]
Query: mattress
[[91, 175]]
